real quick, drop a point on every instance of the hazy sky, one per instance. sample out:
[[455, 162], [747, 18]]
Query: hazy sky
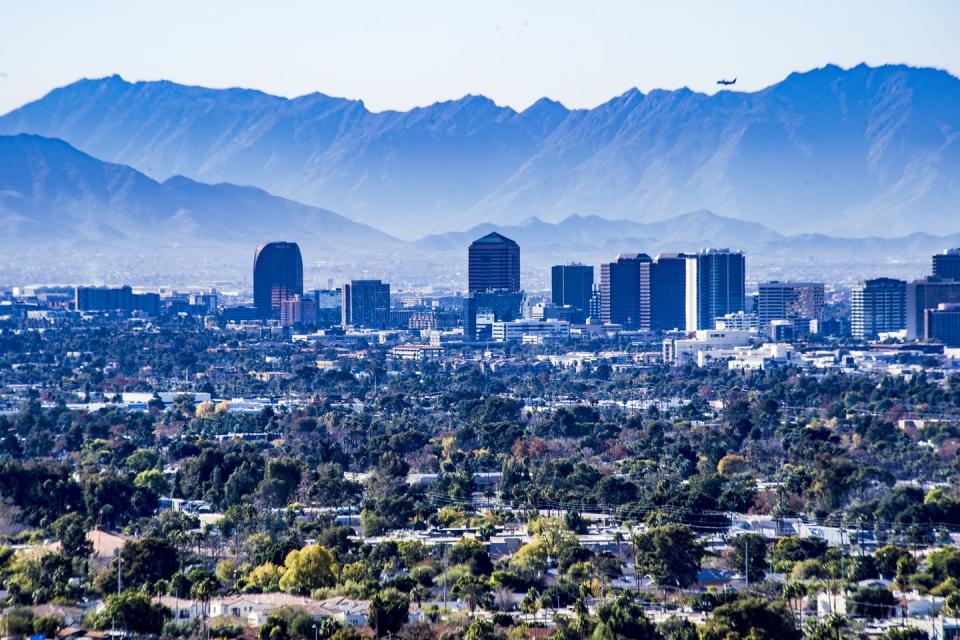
[[401, 53]]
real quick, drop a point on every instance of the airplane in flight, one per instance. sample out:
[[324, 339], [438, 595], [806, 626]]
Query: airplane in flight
[[727, 82]]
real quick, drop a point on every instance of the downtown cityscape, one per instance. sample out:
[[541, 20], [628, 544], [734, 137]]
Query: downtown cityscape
[[677, 364]]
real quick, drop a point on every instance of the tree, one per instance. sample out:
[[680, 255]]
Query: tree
[[754, 618], [622, 618], [131, 611], [144, 562], [748, 551], [670, 554], [388, 612], [871, 602], [473, 554], [264, 578], [481, 630], [307, 569], [473, 590], [886, 559], [71, 531]]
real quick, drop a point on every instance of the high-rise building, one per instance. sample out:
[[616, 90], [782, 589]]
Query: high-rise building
[[878, 306], [943, 324], [277, 275], [366, 303], [625, 291], [925, 294], [715, 286], [946, 265], [103, 299], [668, 285], [494, 264], [801, 301], [572, 286]]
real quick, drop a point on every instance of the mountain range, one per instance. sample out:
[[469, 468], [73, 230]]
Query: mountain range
[[82, 213], [53, 194], [859, 151]]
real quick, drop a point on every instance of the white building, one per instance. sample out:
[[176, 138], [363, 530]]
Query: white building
[[525, 329], [681, 351]]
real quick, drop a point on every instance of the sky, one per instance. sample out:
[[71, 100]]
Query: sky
[[400, 54]]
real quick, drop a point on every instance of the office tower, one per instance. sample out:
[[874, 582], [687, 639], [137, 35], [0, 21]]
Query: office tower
[[596, 303], [925, 294], [572, 286], [943, 324], [103, 299], [668, 285], [494, 264], [878, 306], [946, 265], [716, 284], [366, 303], [625, 291], [277, 275], [799, 301]]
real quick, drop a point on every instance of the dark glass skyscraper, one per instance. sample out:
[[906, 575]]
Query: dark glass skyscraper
[[494, 264], [946, 265], [625, 291], [572, 285], [668, 287], [366, 303], [277, 276], [716, 285]]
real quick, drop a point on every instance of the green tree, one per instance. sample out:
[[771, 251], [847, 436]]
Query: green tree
[[132, 612], [473, 590], [389, 611], [749, 550], [622, 618], [670, 554], [307, 569], [904, 633], [753, 618], [71, 531]]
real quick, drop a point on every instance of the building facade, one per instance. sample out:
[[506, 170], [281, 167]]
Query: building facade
[[668, 292], [277, 275], [946, 265], [715, 286], [943, 324], [625, 291], [789, 301], [878, 306], [572, 285], [366, 304], [927, 294], [494, 264]]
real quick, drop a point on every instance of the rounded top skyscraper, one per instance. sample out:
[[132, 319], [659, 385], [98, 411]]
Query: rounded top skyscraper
[[277, 276], [494, 264]]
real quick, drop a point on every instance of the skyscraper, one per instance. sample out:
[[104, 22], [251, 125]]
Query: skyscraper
[[878, 306], [946, 265], [277, 276], [366, 303], [716, 284], [668, 285], [572, 285], [625, 291], [789, 301], [494, 264], [924, 294]]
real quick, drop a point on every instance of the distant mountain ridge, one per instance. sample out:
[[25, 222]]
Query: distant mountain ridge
[[52, 193], [866, 150]]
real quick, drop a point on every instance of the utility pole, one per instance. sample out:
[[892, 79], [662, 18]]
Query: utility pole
[[746, 560]]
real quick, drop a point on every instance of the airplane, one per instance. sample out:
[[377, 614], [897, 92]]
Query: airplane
[[726, 82]]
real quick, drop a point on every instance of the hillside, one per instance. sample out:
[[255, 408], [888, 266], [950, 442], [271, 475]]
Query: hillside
[[855, 151]]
